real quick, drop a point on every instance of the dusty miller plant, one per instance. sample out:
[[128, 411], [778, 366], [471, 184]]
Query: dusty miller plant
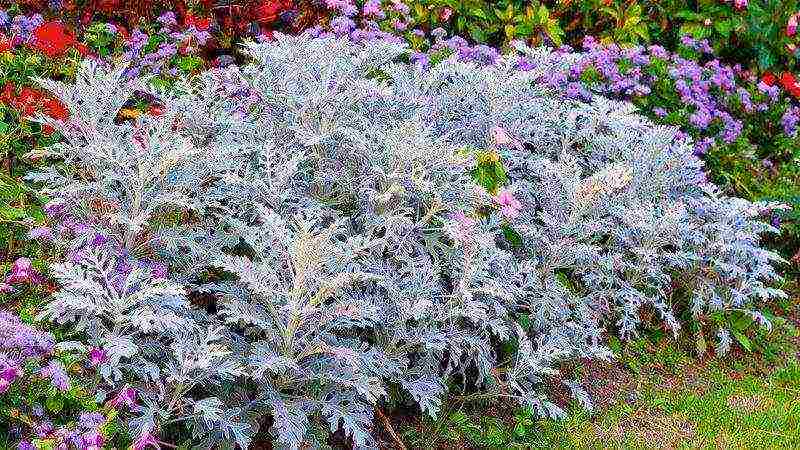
[[322, 201]]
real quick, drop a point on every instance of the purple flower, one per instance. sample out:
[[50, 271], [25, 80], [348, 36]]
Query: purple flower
[[660, 112], [57, 374], [372, 8], [97, 356], [342, 25], [99, 240], [25, 445], [168, 19], [776, 221], [17, 337], [23, 272], [41, 233], [400, 7], [91, 420], [420, 59], [5, 20], [126, 397], [701, 118], [525, 65], [399, 25], [701, 147], [790, 119], [54, 207]]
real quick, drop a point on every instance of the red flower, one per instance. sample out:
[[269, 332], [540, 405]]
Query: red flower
[[155, 110], [5, 43], [55, 109], [28, 102], [789, 83], [267, 12], [53, 39], [201, 24], [9, 93], [769, 79]]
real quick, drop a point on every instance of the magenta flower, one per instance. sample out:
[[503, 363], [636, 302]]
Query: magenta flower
[[791, 26], [5, 288], [372, 8], [145, 441], [23, 272], [97, 356], [54, 207], [127, 397], [7, 376], [93, 441], [509, 206]]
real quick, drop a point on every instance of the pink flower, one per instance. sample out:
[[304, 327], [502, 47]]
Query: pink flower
[[464, 220], [464, 226], [509, 206], [127, 397], [23, 272], [501, 137], [740, 4], [97, 356], [791, 26], [144, 441], [445, 14], [5, 288]]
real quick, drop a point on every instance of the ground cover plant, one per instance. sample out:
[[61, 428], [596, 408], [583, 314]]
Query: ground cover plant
[[154, 190]]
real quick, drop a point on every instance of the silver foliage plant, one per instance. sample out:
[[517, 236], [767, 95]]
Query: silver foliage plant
[[321, 200]]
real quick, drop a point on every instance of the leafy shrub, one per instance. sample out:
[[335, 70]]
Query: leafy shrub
[[302, 269], [743, 127]]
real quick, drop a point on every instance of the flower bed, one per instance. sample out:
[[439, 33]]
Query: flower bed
[[472, 218]]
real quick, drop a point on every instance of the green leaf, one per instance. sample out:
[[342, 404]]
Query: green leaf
[[3, 127], [723, 27], [743, 340], [511, 235], [189, 63], [54, 404]]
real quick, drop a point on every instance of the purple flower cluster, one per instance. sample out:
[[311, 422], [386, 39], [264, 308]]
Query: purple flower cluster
[[87, 435], [188, 41], [790, 120], [19, 343], [392, 21], [21, 27], [712, 91]]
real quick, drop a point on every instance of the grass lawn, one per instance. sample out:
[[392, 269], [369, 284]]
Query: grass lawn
[[657, 394]]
